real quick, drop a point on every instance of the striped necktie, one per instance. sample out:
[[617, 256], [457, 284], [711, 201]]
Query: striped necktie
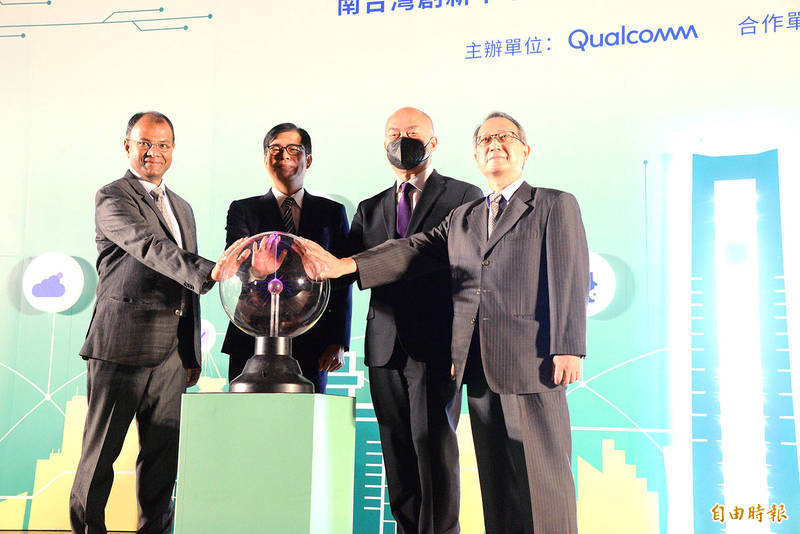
[[286, 215]]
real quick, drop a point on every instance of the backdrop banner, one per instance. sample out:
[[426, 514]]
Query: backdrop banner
[[676, 126]]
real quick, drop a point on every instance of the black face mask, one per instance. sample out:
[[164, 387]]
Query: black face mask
[[406, 152]]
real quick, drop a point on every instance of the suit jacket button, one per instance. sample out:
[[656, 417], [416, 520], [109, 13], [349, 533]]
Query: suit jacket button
[[478, 292], [485, 262], [472, 321]]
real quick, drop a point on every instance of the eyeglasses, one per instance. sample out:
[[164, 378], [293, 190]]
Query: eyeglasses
[[293, 150], [146, 144], [502, 138], [394, 133]]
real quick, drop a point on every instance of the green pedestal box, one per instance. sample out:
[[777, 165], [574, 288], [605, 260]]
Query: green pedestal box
[[265, 463]]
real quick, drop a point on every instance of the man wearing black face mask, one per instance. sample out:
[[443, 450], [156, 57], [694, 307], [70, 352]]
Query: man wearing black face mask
[[407, 345]]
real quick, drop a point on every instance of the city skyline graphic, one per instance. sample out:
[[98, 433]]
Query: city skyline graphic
[[44, 505]]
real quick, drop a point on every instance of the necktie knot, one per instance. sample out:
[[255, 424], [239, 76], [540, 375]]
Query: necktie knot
[[156, 193]]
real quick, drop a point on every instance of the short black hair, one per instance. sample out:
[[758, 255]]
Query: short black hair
[[158, 117], [305, 139], [495, 114]]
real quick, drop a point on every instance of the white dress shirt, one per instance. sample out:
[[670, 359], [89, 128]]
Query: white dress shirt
[[149, 186], [298, 204]]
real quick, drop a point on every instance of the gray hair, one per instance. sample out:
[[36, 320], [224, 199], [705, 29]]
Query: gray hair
[[500, 114]]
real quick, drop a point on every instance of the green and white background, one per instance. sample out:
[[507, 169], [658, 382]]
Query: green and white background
[[679, 136]]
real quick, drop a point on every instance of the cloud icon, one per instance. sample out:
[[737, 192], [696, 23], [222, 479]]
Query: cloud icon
[[50, 287]]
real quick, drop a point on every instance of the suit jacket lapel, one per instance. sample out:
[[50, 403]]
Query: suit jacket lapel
[[521, 202], [150, 201], [185, 227], [433, 189], [477, 221], [306, 214], [389, 204], [270, 214]]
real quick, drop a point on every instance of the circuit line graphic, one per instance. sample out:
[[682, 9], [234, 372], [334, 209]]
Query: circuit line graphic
[[139, 23]]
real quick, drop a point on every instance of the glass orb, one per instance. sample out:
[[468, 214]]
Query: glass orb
[[275, 291]]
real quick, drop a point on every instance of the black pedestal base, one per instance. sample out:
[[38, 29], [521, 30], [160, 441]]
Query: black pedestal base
[[272, 370]]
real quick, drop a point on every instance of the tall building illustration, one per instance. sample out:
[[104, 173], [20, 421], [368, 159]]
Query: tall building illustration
[[743, 421]]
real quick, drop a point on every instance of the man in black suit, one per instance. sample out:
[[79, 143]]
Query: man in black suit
[[519, 264], [407, 345], [287, 207], [142, 349]]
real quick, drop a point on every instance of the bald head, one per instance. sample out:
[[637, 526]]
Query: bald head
[[409, 117]]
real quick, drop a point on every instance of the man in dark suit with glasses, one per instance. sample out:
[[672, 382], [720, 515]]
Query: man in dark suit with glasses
[[288, 207]]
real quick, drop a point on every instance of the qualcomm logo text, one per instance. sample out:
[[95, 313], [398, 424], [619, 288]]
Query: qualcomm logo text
[[579, 39]]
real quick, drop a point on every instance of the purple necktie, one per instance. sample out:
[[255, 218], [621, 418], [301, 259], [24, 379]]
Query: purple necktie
[[404, 208]]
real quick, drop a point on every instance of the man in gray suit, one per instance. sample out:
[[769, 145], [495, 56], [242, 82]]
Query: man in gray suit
[[520, 268], [142, 349]]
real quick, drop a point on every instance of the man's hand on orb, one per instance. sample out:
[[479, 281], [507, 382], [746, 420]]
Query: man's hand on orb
[[230, 260], [266, 259], [325, 264], [311, 267], [318, 263]]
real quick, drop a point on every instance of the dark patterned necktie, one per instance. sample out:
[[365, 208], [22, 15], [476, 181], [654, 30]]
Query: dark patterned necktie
[[286, 215], [404, 208], [494, 210]]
